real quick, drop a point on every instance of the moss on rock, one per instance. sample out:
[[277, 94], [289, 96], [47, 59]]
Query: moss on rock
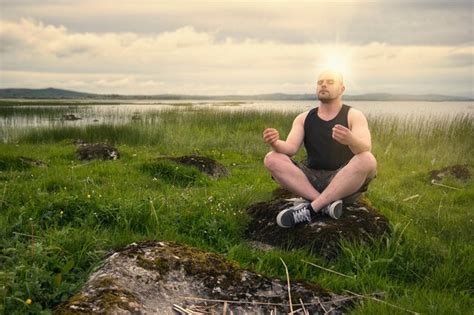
[[359, 222], [155, 277]]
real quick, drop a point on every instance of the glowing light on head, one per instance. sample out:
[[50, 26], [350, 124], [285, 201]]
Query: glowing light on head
[[335, 61]]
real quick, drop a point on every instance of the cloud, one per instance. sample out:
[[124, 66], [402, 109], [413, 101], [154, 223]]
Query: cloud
[[357, 22], [190, 61]]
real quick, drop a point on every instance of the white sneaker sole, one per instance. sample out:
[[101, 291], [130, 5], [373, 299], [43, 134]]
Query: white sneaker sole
[[335, 209], [278, 219]]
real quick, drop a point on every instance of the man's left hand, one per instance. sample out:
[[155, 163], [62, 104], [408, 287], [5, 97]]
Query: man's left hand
[[342, 134]]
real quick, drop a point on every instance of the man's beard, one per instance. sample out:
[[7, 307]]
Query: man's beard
[[325, 98]]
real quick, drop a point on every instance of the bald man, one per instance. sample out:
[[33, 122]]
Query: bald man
[[339, 163]]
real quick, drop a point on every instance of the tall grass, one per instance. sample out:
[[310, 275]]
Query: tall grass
[[56, 224], [126, 134]]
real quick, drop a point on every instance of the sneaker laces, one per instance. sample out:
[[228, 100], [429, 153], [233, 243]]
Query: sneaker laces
[[301, 215]]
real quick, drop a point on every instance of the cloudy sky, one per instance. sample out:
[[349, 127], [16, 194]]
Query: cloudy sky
[[237, 47]]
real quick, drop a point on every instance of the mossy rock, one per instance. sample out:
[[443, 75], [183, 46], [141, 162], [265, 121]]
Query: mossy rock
[[204, 164], [161, 277], [97, 151], [173, 173], [359, 222]]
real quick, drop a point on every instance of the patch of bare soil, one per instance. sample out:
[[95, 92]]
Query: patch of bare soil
[[359, 222], [458, 171], [167, 278], [96, 151], [204, 164]]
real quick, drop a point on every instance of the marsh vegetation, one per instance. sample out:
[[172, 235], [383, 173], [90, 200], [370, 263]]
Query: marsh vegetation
[[58, 222]]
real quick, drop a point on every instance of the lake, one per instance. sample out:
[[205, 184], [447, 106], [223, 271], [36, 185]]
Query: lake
[[31, 114]]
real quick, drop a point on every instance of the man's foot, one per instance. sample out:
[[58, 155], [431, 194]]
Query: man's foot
[[291, 216], [334, 209]]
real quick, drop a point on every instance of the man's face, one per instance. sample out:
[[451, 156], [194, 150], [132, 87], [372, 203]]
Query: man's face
[[329, 86]]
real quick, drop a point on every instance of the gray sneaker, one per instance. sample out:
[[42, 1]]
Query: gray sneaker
[[334, 209], [293, 215]]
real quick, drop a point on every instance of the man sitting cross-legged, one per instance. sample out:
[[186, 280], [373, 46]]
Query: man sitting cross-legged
[[339, 164]]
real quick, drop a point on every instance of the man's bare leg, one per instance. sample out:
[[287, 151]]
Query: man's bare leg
[[290, 176], [348, 180]]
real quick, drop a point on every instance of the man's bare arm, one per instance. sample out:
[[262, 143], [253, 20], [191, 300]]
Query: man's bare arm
[[357, 136], [294, 140]]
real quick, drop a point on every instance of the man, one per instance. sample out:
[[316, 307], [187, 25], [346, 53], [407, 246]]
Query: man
[[339, 164]]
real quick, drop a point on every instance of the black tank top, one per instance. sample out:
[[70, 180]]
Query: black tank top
[[323, 151]]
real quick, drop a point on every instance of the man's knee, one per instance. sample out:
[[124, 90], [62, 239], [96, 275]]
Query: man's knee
[[273, 160], [366, 161]]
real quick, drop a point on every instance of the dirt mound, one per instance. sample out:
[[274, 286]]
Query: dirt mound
[[9, 163], [457, 171], [204, 164], [358, 222], [96, 151], [167, 278], [282, 193]]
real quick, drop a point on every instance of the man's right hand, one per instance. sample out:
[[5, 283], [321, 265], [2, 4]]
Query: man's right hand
[[271, 135]]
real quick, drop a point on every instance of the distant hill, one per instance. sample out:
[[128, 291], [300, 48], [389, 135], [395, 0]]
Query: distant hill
[[43, 93], [52, 93]]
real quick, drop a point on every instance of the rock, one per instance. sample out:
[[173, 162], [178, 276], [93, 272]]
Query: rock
[[33, 162], [359, 222], [204, 164], [70, 117], [458, 171], [21, 163], [167, 278], [100, 151]]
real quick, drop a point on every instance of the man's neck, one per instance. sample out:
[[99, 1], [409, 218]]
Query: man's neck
[[333, 106]]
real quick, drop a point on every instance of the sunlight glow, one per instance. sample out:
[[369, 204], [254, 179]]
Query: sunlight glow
[[333, 59], [337, 63]]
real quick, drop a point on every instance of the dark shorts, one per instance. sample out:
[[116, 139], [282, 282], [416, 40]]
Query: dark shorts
[[320, 179]]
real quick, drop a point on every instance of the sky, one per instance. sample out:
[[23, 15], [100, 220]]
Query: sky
[[237, 47]]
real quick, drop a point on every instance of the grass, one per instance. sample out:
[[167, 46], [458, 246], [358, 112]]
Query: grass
[[57, 223]]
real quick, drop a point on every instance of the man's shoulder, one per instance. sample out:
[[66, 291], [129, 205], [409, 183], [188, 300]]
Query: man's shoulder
[[302, 117], [356, 117], [354, 112]]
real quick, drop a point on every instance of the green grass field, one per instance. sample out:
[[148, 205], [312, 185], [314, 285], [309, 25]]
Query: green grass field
[[78, 211]]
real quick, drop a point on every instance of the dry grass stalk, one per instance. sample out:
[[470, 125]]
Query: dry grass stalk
[[224, 309], [270, 304], [288, 284], [181, 310], [411, 197], [381, 301], [329, 270], [445, 186], [302, 305], [27, 235], [322, 306], [295, 311]]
